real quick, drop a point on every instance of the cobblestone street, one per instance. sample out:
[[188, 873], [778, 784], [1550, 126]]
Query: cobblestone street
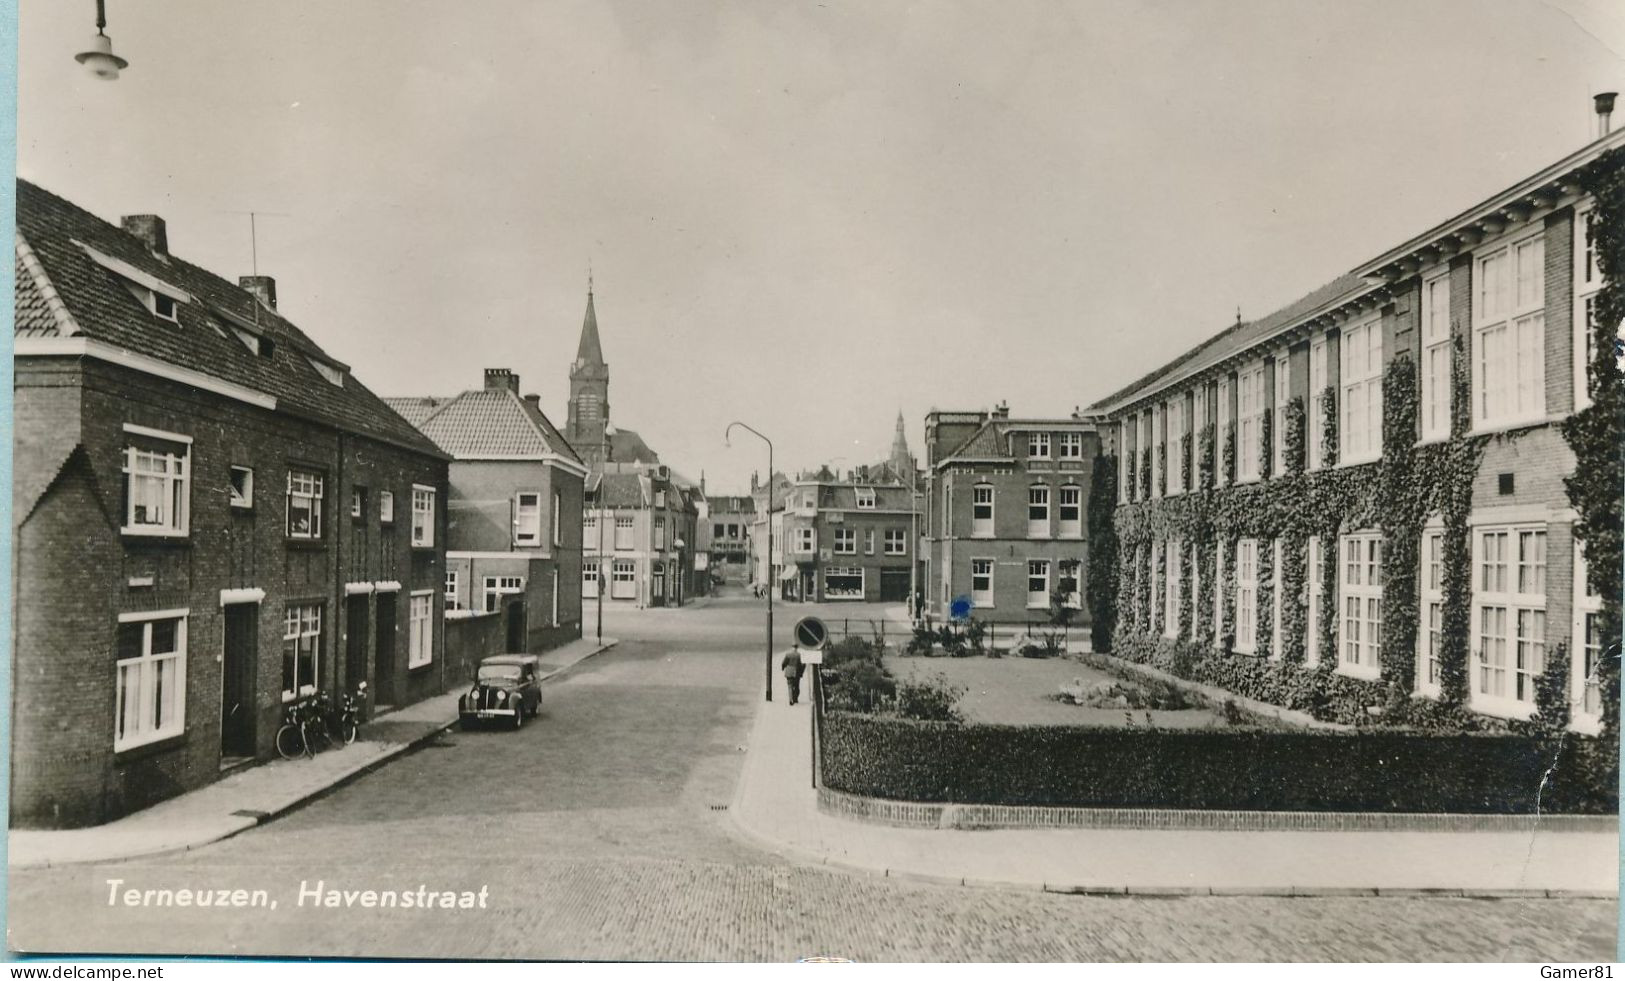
[[601, 832]]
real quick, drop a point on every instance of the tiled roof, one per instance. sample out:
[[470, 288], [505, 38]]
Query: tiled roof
[[984, 444], [619, 490], [484, 422], [1239, 337], [627, 446], [731, 504], [106, 310], [414, 409]]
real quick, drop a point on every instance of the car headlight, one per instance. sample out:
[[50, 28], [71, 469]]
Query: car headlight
[[502, 698], [474, 695]]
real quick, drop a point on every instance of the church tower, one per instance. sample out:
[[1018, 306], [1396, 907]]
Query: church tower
[[901, 460], [589, 390]]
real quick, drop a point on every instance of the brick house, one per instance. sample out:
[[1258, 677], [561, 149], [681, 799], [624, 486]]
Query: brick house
[[845, 539], [730, 518], [639, 535], [1006, 524], [1359, 499], [513, 525], [211, 518]]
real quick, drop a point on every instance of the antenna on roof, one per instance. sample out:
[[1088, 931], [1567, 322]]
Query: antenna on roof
[[254, 244]]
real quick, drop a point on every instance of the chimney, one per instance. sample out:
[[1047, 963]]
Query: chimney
[[150, 229], [263, 287], [534, 401], [1001, 411], [499, 378], [1605, 110]]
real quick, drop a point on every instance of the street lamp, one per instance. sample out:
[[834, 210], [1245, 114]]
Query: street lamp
[[99, 57], [770, 585], [677, 543], [609, 431]]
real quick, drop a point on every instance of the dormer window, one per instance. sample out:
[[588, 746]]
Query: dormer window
[[161, 299], [334, 376], [163, 306], [1038, 446], [866, 497]]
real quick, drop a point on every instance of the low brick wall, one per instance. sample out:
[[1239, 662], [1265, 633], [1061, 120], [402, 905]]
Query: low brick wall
[[1378, 771]]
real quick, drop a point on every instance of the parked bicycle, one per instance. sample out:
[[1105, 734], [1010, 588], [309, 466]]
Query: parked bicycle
[[313, 723]]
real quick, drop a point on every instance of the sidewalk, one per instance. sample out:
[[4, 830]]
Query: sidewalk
[[776, 806], [257, 794]]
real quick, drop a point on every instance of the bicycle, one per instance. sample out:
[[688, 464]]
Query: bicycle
[[292, 739]]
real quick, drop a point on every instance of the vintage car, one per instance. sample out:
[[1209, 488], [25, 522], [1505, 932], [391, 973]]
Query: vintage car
[[506, 689]]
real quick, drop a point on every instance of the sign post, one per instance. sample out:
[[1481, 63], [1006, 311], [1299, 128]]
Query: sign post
[[811, 637]]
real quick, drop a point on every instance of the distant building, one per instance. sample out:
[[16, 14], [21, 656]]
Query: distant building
[[730, 519], [639, 535], [1006, 522], [588, 426], [514, 518], [845, 539], [213, 518]]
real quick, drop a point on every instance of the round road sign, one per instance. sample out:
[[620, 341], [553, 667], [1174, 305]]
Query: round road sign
[[811, 632]]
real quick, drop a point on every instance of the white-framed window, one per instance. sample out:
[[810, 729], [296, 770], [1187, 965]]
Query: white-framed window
[[1360, 367], [806, 540], [1066, 579], [452, 591], [1360, 590], [1038, 511], [1170, 600], [242, 487], [422, 516], [1221, 455], [1071, 511], [1249, 421], [1038, 446], [896, 541], [1430, 613], [981, 511], [163, 307], [659, 534], [1159, 420], [868, 541], [1195, 590], [981, 583], [1198, 424], [1153, 599], [623, 579], [1315, 438], [358, 502], [150, 701], [590, 571], [1585, 709], [1246, 595], [1038, 584], [420, 629], [1316, 580], [157, 482], [1587, 282], [843, 583], [1283, 391], [1218, 592], [301, 650], [1509, 617], [1509, 332], [1070, 446], [846, 541], [386, 508], [1276, 644], [304, 504], [1175, 414], [497, 587], [623, 532], [866, 498], [1436, 357]]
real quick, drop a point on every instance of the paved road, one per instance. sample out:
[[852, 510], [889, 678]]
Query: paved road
[[596, 834]]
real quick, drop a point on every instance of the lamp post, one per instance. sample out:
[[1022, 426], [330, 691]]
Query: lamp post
[[99, 57], [677, 543], [770, 585], [609, 431]]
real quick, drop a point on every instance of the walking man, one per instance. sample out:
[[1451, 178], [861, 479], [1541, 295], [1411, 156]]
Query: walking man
[[792, 668]]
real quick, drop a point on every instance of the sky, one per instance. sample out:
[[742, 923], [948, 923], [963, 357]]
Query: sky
[[805, 217]]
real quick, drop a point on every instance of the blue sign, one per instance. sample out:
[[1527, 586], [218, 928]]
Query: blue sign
[[960, 608]]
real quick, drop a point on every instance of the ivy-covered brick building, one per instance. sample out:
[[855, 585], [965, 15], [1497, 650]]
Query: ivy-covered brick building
[[1396, 500]]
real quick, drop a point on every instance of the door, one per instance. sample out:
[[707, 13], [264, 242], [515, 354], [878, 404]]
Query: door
[[384, 647], [894, 585], [237, 682], [516, 627], [357, 631]]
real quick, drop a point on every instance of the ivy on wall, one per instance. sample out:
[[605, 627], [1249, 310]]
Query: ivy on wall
[[1098, 589], [1595, 432]]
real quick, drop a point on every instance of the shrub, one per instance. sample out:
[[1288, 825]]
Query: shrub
[[929, 701], [859, 685], [925, 637], [851, 649]]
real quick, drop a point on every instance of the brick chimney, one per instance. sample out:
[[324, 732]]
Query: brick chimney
[[263, 287], [150, 230], [1604, 103], [500, 378], [1001, 411], [534, 401]]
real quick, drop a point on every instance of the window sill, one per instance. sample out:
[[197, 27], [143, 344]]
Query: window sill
[[167, 539], [305, 544], [140, 751], [1344, 464], [420, 668], [1500, 708], [1585, 725], [1358, 674], [1510, 425]]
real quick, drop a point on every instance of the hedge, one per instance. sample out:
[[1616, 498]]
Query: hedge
[[1376, 770]]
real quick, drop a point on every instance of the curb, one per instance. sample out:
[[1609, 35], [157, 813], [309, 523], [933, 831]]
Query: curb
[[239, 825]]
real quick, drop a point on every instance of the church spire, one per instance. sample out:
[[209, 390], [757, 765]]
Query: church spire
[[589, 351], [901, 459]]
